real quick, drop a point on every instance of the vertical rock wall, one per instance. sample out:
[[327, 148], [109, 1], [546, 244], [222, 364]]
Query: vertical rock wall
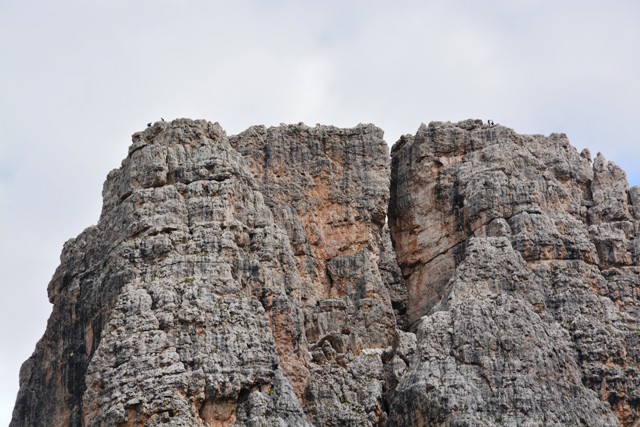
[[170, 297], [522, 271], [220, 290], [328, 188], [252, 280]]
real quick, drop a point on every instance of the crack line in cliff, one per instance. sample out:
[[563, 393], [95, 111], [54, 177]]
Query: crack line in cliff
[[468, 236]]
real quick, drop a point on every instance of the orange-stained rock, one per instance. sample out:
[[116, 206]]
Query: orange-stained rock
[[328, 188]]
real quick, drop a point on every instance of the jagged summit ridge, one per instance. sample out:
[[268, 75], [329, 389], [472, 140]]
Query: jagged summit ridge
[[251, 280]]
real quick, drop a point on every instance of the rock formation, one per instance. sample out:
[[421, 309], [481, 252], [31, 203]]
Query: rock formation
[[328, 190], [252, 280], [521, 265]]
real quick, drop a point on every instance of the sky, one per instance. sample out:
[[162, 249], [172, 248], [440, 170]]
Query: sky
[[77, 78]]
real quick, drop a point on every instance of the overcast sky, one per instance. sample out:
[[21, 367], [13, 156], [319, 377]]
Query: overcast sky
[[77, 78]]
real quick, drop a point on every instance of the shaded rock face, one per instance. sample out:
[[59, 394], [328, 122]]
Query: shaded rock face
[[521, 262], [252, 280]]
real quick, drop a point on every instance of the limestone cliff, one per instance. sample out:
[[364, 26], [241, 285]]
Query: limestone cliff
[[521, 261], [252, 280]]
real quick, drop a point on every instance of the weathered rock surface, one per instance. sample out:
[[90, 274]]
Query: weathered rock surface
[[328, 188], [521, 261], [167, 303], [222, 290], [252, 280]]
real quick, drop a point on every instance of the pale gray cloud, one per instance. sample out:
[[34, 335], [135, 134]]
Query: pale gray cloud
[[77, 78]]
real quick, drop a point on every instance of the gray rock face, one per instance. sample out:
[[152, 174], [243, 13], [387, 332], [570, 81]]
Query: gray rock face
[[221, 290], [199, 269], [252, 280], [486, 357], [522, 272]]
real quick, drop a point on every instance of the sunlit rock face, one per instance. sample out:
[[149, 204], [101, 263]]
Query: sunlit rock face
[[253, 280]]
